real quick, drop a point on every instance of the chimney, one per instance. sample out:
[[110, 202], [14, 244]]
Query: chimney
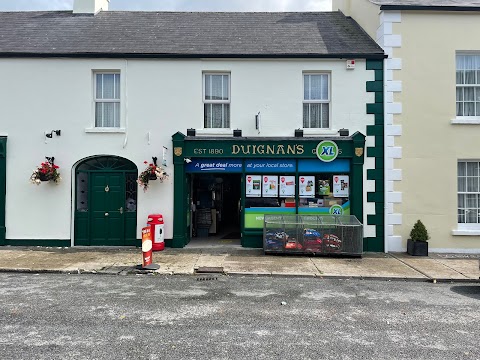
[[89, 6]]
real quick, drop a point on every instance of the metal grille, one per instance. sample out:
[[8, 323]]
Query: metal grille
[[317, 234]]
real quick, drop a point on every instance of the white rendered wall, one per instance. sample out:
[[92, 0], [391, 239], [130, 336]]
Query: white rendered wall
[[159, 98]]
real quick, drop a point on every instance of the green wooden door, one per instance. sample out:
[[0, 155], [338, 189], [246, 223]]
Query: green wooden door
[[107, 209]]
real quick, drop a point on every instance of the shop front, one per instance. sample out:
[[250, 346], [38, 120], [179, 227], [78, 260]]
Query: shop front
[[263, 176]]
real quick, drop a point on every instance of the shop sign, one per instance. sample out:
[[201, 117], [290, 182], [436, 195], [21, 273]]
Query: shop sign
[[327, 151], [336, 210], [270, 166], [217, 165]]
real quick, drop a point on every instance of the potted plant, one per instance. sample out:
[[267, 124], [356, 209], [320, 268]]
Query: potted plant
[[47, 171], [151, 173], [417, 245]]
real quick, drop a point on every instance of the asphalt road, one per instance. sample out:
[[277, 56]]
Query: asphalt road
[[52, 316]]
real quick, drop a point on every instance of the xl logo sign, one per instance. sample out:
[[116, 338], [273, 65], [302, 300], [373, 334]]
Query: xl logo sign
[[327, 151]]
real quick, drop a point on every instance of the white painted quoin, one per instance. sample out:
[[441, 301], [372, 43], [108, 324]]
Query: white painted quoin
[[158, 98]]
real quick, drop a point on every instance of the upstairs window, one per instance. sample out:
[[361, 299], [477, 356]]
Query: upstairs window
[[468, 85], [107, 100], [216, 99], [316, 101]]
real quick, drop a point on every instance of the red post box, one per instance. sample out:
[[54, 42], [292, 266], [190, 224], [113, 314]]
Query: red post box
[[156, 224]]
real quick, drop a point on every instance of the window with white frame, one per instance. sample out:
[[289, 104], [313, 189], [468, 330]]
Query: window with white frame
[[468, 192], [468, 85], [216, 99], [316, 101], [107, 99]]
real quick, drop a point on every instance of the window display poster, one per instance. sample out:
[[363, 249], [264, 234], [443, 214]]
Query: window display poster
[[341, 185], [324, 187], [270, 186], [253, 185], [307, 186], [287, 186]]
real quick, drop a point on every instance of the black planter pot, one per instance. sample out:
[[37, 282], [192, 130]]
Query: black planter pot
[[152, 177], [45, 177], [417, 248]]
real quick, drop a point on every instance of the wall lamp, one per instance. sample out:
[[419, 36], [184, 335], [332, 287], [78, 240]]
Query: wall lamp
[[237, 133], [298, 133], [187, 160], [191, 132], [344, 132], [50, 134]]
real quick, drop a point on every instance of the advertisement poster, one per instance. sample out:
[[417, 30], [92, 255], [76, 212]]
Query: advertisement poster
[[253, 185], [307, 186], [341, 185], [324, 187], [270, 186], [287, 185]]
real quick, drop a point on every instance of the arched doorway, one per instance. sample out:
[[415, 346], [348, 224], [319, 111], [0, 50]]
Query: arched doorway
[[105, 202]]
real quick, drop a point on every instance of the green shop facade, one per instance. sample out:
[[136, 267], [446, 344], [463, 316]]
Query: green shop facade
[[298, 172]]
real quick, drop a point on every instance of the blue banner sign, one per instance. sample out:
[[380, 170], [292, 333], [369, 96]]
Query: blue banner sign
[[214, 165], [269, 166], [315, 166]]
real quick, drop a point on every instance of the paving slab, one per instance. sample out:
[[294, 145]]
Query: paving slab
[[208, 260], [433, 268], [387, 267], [468, 268], [287, 265], [176, 264]]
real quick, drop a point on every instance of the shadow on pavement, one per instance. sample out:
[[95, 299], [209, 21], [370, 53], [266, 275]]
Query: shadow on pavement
[[470, 291]]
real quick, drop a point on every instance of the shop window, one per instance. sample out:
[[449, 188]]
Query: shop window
[[468, 194], [107, 100], [468, 85], [216, 99], [316, 101]]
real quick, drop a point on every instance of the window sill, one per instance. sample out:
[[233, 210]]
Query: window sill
[[214, 132], [106, 130], [474, 120], [472, 232], [311, 131]]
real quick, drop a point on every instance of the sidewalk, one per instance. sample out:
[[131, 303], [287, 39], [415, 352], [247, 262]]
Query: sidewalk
[[240, 261]]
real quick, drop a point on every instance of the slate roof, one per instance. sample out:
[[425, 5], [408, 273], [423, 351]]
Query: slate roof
[[446, 5], [184, 34]]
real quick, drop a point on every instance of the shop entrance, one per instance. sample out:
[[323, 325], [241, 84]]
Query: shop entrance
[[215, 209]]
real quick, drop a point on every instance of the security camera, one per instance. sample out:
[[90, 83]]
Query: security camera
[[188, 161]]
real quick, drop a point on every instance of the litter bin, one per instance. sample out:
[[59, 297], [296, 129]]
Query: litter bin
[[157, 227]]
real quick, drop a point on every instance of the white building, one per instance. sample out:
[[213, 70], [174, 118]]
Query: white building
[[101, 92]]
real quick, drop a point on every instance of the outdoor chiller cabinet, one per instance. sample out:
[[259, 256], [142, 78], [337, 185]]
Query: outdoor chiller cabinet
[[313, 234]]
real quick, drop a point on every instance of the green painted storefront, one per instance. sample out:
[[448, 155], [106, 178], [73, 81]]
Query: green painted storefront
[[350, 148]]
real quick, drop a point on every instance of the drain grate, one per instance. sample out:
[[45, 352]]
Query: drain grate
[[207, 278]]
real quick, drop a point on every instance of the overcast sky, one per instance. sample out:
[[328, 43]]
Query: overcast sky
[[178, 5]]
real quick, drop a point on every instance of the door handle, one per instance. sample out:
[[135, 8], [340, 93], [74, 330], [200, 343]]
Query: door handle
[[106, 214], [121, 210]]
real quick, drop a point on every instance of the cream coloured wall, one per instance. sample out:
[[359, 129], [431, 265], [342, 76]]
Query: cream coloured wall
[[431, 144], [160, 97], [362, 11]]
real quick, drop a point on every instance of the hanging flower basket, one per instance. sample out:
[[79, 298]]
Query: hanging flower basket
[[47, 171], [151, 173]]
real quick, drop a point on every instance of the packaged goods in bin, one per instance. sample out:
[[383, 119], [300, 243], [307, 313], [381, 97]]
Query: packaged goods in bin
[[332, 243], [312, 240], [274, 240], [157, 226]]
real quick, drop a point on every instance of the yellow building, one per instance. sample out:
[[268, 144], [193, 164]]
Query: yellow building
[[432, 117]]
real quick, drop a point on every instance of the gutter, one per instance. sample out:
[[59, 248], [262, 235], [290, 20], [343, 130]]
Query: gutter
[[430, 8], [373, 56]]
